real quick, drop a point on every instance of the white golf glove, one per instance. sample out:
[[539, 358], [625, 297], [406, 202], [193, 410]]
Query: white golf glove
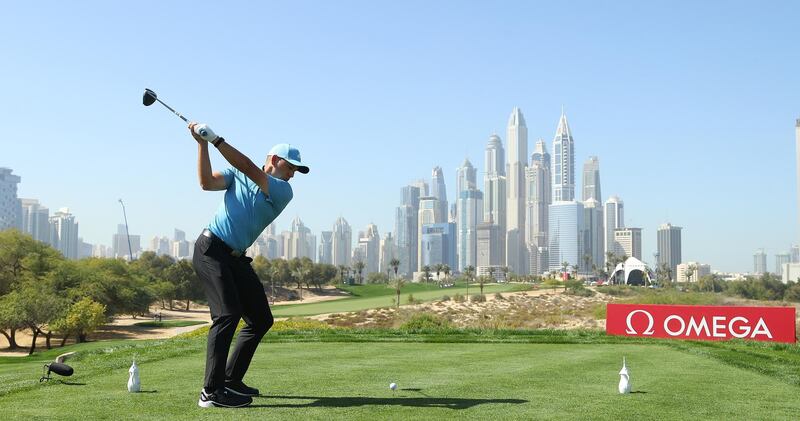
[[205, 132]]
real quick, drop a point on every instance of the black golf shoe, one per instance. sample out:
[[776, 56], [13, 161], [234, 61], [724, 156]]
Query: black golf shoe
[[223, 398], [240, 388]]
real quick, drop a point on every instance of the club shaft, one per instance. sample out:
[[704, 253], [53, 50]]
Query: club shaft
[[170, 108]]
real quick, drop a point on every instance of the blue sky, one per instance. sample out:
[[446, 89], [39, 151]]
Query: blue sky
[[690, 106]]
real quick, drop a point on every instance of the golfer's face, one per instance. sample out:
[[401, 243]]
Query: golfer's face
[[285, 169]]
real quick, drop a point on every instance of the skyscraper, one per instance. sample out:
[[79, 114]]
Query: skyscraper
[[594, 236], [563, 163], [405, 228], [439, 245], [342, 242], [470, 214], [780, 260], [760, 262], [566, 234], [517, 136], [64, 233], [494, 194], [614, 218], [369, 242], [490, 242], [669, 248], [628, 242], [539, 197], [35, 220], [591, 179], [325, 248], [466, 177], [10, 208], [428, 214], [439, 191], [387, 254]]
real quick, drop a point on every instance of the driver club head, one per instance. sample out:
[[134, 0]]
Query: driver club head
[[149, 97]]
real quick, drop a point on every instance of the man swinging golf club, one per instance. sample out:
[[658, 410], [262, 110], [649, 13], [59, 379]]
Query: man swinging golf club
[[254, 197]]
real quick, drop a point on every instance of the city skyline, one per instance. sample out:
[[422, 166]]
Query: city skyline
[[674, 100]]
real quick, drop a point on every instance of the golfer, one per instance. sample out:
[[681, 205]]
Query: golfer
[[254, 197]]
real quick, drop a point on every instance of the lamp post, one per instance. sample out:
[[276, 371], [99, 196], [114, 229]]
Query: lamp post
[[127, 233]]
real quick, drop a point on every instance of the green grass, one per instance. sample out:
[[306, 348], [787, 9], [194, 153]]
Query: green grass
[[170, 323], [375, 296], [442, 374]]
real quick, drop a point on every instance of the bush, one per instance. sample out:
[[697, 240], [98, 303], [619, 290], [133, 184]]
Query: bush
[[458, 298], [477, 298], [445, 298], [411, 299], [499, 296], [425, 321], [792, 293], [299, 324]]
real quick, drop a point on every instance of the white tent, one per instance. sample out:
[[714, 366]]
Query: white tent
[[634, 272]]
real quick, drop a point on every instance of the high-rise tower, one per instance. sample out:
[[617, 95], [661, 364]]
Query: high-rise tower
[[439, 191], [614, 218], [517, 135], [591, 179], [669, 248], [563, 162]]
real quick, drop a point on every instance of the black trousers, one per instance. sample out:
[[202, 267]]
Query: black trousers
[[234, 292]]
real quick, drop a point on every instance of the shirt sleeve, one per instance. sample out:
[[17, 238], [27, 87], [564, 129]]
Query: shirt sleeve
[[228, 175]]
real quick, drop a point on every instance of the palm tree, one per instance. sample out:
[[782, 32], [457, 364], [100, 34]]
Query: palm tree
[[505, 270], [469, 271], [426, 273], [491, 270], [587, 259], [343, 269], [564, 266], [690, 271], [481, 281], [446, 270], [359, 267], [397, 283], [438, 268], [394, 263]]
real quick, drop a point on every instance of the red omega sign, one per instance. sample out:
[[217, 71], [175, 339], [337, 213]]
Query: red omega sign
[[710, 323]]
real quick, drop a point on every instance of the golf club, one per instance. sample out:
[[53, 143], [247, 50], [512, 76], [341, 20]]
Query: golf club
[[202, 130]]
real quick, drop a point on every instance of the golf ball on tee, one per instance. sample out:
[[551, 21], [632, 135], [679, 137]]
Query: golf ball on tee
[[393, 386]]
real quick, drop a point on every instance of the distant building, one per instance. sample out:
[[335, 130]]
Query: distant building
[[406, 230], [439, 245], [628, 242], [35, 220], [439, 191], [64, 233], [428, 214], [119, 244], [470, 214], [669, 247], [10, 208], [593, 236], [369, 243], [697, 271], [388, 253], [591, 179], [781, 259], [517, 138], [494, 193], [566, 234], [342, 243], [614, 219], [326, 247], [760, 262], [490, 240]]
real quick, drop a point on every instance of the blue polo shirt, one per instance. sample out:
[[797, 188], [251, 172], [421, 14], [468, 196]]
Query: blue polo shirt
[[246, 210]]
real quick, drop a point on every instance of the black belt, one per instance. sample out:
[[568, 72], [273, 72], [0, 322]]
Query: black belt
[[229, 249]]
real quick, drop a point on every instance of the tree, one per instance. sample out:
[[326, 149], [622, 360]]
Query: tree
[[397, 284], [505, 271], [359, 267], [446, 270], [482, 280], [82, 318], [21, 256], [491, 270], [587, 260], [564, 266], [426, 273], [187, 285], [395, 264], [11, 318], [38, 306], [438, 267], [469, 272], [690, 271]]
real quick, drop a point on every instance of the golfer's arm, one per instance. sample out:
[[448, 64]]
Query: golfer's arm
[[242, 163], [207, 179]]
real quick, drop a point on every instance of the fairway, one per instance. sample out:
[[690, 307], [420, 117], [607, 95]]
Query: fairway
[[344, 380], [385, 300]]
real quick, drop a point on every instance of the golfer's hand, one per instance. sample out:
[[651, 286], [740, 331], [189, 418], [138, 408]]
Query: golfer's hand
[[195, 135]]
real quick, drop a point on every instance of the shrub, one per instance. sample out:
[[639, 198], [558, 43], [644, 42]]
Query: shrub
[[499, 296], [458, 298], [299, 324], [477, 298], [411, 299], [425, 321], [445, 298]]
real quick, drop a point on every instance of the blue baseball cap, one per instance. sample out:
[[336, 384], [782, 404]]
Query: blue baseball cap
[[290, 154]]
